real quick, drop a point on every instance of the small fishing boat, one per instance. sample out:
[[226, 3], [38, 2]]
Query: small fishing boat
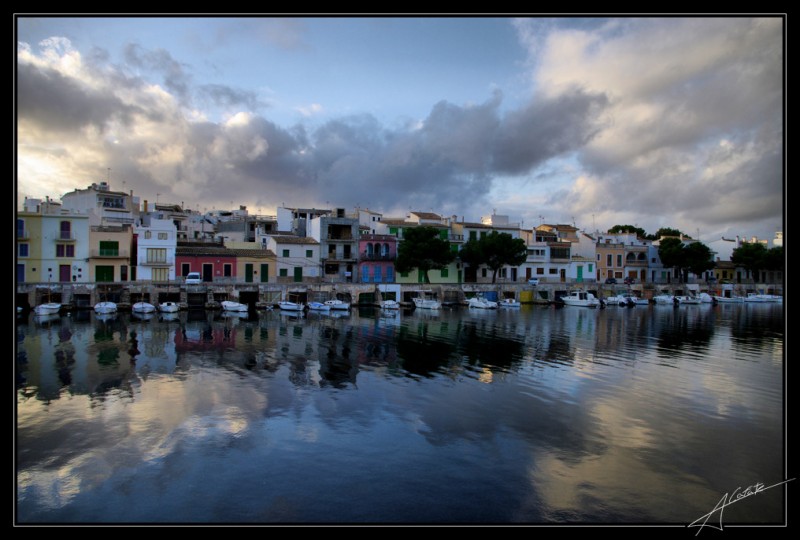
[[168, 307], [318, 306], [338, 304], [143, 307], [105, 308], [509, 303], [229, 305], [426, 300], [479, 302], [581, 299]]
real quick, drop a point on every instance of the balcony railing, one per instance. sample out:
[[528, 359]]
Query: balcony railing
[[157, 262], [365, 256], [64, 236], [109, 253]]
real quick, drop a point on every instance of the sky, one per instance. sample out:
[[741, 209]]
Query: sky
[[648, 121]]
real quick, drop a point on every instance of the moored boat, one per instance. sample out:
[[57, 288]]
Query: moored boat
[[48, 308], [509, 303], [318, 306], [339, 305], [143, 307], [581, 299], [389, 304], [168, 307], [426, 301], [291, 306], [228, 305], [479, 302], [664, 299], [105, 308]]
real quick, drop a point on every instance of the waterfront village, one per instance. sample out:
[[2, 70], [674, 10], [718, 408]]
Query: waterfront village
[[98, 244]]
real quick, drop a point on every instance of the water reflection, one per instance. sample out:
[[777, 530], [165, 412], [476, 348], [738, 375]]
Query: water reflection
[[536, 415]]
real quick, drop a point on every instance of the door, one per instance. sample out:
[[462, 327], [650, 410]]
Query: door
[[298, 274], [104, 273], [63, 272], [208, 272], [20, 273], [580, 274], [264, 273], [248, 273]]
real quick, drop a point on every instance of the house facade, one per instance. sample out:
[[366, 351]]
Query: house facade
[[376, 255], [337, 235], [214, 262], [297, 258], [51, 244], [110, 253], [155, 255]]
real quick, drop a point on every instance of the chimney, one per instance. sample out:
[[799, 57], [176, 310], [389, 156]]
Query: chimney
[[145, 206]]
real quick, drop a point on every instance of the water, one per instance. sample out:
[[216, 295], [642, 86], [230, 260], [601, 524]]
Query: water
[[537, 415]]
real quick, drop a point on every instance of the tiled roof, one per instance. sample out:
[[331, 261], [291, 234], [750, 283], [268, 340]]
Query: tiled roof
[[199, 251], [427, 215], [294, 240]]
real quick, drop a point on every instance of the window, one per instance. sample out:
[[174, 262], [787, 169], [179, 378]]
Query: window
[[23, 250], [609, 259], [60, 250], [619, 261], [365, 274], [148, 234], [227, 269], [283, 272], [403, 274], [483, 234], [501, 273], [598, 257], [393, 230], [445, 272], [473, 235], [389, 273], [185, 269], [552, 271], [109, 248], [483, 272], [156, 255], [377, 276], [285, 252], [123, 272], [65, 230], [162, 236], [160, 274], [20, 228], [540, 271], [590, 268], [70, 250], [309, 253]]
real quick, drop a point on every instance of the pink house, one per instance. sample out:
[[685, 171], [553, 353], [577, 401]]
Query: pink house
[[213, 262], [376, 255]]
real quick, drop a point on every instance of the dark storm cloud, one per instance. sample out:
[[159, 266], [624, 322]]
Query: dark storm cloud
[[55, 102], [160, 61]]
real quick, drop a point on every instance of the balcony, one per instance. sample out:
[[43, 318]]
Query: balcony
[[64, 236], [109, 254], [376, 257], [22, 234], [340, 238], [157, 262]]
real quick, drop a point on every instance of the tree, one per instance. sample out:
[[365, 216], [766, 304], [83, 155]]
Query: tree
[[640, 233], [751, 256], [774, 259], [698, 258], [666, 231], [670, 251], [495, 250], [423, 249]]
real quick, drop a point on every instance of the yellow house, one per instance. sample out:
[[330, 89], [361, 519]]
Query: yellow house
[[110, 253]]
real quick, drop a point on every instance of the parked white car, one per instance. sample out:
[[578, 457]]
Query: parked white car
[[533, 281], [193, 278]]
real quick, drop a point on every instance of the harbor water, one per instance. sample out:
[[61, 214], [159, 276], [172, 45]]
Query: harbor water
[[534, 415]]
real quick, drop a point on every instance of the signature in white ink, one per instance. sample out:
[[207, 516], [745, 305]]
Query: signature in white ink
[[729, 499]]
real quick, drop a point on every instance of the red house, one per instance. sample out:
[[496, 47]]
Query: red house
[[213, 262]]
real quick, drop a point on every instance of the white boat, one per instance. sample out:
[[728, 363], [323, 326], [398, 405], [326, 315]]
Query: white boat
[[729, 299], [105, 308], [48, 308], [664, 299], [426, 301], [168, 307], [509, 303], [771, 297], [479, 302], [706, 298], [390, 304], [228, 305], [338, 304], [685, 300], [318, 306], [143, 307], [291, 306], [581, 299], [621, 300], [756, 298]]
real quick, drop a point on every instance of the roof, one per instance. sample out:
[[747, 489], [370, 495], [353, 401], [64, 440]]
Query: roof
[[293, 239], [427, 215], [200, 251]]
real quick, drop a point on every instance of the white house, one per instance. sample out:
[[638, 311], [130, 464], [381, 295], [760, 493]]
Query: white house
[[155, 251]]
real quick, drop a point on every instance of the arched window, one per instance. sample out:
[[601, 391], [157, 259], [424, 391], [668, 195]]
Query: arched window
[[630, 257], [369, 250], [385, 251]]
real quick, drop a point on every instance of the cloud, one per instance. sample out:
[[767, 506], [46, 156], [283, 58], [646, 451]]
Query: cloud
[[660, 122]]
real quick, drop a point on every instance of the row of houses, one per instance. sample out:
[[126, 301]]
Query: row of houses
[[100, 235]]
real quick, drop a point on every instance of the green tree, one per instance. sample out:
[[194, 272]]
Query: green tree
[[698, 258], [640, 233], [670, 251], [495, 250], [774, 259], [666, 231], [423, 249], [750, 256]]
